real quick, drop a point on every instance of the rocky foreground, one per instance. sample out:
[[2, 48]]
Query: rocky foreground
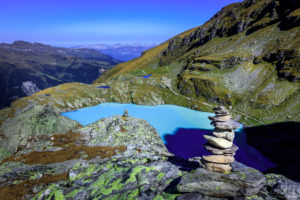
[[122, 157]]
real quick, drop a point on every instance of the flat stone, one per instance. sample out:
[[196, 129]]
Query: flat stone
[[221, 113], [221, 110], [228, 135], [220, 118], [219, 151], [242, 181], [216, 167], [228, 125], [218, 142], [221, 159]]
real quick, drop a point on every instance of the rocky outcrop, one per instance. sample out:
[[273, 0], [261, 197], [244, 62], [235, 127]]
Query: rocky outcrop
[[286, 190], [242, 181], [30, 124], [121, 130], [233, 19], [117, 157], [29, 88], [122, 157]]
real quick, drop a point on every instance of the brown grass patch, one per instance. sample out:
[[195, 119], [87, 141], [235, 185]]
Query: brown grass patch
[[62, 140], [123, 130], [71, 152], [73, 148], [14, 192]]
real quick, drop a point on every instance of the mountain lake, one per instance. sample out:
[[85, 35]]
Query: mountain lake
[[180, 128]]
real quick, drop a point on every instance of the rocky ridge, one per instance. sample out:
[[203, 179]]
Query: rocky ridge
[[122, 157]]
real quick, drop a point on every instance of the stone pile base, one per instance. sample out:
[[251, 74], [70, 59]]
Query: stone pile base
[[241, 182]]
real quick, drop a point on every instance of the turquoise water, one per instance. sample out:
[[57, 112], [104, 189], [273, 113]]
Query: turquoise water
[[181, 129], [165, 118]]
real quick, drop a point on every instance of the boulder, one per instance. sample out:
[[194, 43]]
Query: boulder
[[220, 151], [242, 181], [286, 190], [218, 142], [116, 131]]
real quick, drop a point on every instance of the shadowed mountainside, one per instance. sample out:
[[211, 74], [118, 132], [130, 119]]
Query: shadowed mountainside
[[26, 68]]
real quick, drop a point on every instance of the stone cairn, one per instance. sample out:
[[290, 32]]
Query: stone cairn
[[221, 143], [125, 114]]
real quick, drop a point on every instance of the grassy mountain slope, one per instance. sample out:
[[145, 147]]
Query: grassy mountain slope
[[149, 57], [28, 67]]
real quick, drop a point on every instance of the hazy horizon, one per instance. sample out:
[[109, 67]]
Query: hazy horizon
[[71, 23]]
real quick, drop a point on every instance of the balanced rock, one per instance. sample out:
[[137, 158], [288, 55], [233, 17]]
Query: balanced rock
[[218, 142], [220, 151], [221, 159], [242, 181], [216, 167], [228, 135]]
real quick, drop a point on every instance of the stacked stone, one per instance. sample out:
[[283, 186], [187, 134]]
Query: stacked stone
[[221, 143]]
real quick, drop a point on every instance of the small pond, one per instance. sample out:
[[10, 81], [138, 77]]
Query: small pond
[[181, 129], [103, 87], [147, 76]]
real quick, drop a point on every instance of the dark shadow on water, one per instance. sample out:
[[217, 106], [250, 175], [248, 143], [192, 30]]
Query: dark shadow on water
[[187, 143], [280, 142]]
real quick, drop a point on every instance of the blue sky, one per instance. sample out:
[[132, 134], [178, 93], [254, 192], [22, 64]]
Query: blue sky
[[75, 22]]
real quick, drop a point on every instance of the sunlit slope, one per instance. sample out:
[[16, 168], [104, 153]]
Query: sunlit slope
[[149, 57]]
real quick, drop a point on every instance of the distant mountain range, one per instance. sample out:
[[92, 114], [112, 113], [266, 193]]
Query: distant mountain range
[[26, 68], [123, 52]]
